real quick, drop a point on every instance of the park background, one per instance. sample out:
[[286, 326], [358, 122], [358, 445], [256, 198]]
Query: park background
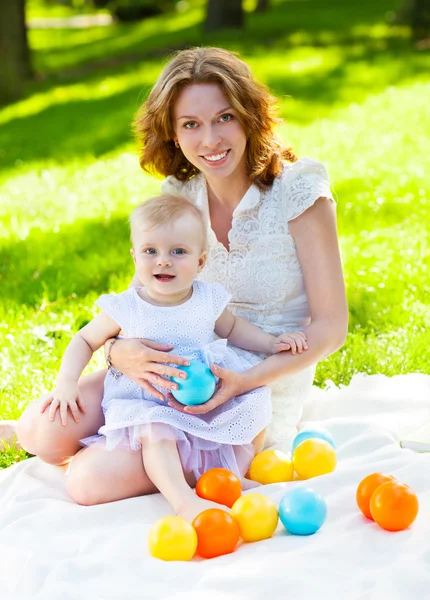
[[353, 88]]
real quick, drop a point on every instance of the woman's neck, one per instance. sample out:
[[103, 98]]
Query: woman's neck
[[227, 192]]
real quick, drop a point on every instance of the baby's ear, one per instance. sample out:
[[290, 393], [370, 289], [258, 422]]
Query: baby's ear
[[202, 261], [133, 254]]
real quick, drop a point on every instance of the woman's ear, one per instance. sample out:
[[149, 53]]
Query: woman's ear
[[202, 261]]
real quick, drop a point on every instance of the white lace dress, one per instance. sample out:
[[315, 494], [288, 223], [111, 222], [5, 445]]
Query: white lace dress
[[220, 438], [262, 271]]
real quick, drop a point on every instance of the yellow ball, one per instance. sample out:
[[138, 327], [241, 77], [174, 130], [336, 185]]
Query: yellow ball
[[172, 538], [256, 516], [271, 466], [314, 457]]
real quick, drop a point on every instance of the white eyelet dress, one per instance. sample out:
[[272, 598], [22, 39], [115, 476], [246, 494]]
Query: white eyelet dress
[[261, 270], [220, 438]]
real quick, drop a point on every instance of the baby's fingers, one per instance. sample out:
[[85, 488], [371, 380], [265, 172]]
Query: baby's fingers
[[74, 409], [47, 402], [63, 412], [53, 408]]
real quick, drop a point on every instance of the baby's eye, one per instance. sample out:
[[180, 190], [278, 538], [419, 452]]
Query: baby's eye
[[226, 118], [190, 125], [149, 251], [179, 251]]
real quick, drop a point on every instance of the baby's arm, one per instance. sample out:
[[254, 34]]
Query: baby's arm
[[76, 357], [243, 334]]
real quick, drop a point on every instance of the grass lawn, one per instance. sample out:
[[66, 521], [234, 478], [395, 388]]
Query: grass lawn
[[354, 94]]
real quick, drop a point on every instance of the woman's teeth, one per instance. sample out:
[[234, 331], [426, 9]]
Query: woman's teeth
[[216, 157]]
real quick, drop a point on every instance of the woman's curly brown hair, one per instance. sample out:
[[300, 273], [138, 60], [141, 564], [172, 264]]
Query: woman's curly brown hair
[[254, 105]]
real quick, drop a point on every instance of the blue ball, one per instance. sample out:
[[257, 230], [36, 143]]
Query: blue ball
[[312, 433], [198, 387], [302, 511]]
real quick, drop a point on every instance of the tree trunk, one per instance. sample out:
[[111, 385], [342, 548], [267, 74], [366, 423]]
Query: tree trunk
[[420, 19], [262, 5], [224, 13], [15, 65]]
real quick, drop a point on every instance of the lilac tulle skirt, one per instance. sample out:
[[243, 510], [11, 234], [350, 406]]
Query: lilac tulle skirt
[[197, 454]]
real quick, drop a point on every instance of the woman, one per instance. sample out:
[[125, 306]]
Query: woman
[[208, 126]]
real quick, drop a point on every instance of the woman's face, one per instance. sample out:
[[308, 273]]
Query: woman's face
[[209, 132]]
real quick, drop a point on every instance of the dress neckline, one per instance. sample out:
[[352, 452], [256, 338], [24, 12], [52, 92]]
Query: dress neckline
[[249, 200], [135, 289]]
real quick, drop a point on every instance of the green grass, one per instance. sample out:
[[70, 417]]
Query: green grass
[[354, 95]]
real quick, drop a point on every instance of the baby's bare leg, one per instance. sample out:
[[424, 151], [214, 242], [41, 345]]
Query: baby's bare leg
[[97, 476], [53, 442], [164, 468]]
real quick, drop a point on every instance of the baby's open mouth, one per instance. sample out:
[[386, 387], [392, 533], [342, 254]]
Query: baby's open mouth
[[164, 277]]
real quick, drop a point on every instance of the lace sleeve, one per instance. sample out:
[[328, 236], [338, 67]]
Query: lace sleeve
[[302, 184], [117, 306]]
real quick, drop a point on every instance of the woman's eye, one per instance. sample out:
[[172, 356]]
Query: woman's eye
[[179, 251], [190, 125], [226, 118]]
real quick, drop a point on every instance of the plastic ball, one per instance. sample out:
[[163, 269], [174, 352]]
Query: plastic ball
[[394, 506], [365, 489], [219, 485], [302, 511], [172, 538], [198, 387], [256, 516], [313, 433], [313, 458], [271, 466], [217, 533]]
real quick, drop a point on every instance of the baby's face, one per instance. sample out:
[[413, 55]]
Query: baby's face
[[168, 258]]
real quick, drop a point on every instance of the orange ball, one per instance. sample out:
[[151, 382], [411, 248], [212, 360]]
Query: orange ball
[[394, 506], [365, 489], [219, 485], [217, 533]]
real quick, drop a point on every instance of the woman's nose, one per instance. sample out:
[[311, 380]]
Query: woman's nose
[[211, 138]]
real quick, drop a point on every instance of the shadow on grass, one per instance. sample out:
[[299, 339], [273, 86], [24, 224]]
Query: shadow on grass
[[73, 129], [81, 257]]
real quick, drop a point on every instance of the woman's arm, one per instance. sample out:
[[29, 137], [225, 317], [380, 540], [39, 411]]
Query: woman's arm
[[315, 235]]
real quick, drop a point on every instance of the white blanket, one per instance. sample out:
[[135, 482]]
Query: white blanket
[[51, 548]]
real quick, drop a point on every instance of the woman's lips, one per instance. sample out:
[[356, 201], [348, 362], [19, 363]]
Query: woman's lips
[[216, 160]]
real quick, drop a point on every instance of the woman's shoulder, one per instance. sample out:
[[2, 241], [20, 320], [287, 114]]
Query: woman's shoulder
[[302, 167], [301, 184], [189, 189]]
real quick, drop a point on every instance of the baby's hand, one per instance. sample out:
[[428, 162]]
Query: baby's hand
[[294, 341], [65, 395]]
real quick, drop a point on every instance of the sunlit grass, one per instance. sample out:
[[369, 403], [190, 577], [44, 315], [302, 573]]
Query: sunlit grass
[[356, 100]]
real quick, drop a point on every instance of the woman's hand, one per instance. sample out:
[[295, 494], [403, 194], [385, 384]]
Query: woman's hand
[[143, 362], [230, 384]]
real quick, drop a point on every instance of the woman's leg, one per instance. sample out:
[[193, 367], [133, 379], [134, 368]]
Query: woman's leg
[[53, 442], [97, 476]]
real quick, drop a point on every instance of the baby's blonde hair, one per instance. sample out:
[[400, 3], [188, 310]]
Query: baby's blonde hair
[[163, 210]]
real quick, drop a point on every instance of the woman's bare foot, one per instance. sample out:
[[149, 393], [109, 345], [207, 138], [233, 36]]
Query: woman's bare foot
[[194, 506], [8, 434]]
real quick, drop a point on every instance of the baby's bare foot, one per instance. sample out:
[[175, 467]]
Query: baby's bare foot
[[194, 506]]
